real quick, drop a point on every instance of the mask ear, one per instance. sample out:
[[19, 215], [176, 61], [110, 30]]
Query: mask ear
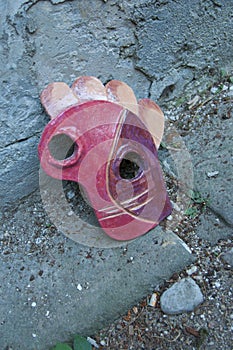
[[152, 116], [121, 93], [88, 88], [56, 98]]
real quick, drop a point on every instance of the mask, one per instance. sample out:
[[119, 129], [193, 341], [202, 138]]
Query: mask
[[108, 144]]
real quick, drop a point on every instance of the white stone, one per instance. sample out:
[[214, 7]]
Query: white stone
[[79, 287], [92, 342], [212, 173], [38, 240], [213, 90], [70, 194], [192, 270]]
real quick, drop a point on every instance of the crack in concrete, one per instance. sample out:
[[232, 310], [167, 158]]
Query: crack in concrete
[[20, 140], [30, 3], [149, 88]]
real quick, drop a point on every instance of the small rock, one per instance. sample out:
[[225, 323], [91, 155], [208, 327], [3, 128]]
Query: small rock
[[183, 296], [38, 240], [175, 206], [33, 304], [131, 330], [228, 257], [212, 173], [192, 270], [70, 194], [217, 284], [79, 287], [93, 342], [213, 90]]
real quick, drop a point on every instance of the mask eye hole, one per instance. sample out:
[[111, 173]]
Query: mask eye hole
[[130, 166], [62, 147]]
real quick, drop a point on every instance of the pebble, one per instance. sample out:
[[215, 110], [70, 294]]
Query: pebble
[[175, 206], [79, 287], [33, 304], [38, 240], [217, 284], [213, 90], [93, 342], [212, 173], [192, 270], [131, 330], [70, 194], [183, 296]]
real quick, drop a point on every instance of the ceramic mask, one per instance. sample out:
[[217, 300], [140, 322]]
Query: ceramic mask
[[111, 152]]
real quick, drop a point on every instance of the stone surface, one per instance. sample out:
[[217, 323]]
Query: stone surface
[[228, 257], [52, 287], [183, 296], [212, 229], [140, 42], [212, 151]]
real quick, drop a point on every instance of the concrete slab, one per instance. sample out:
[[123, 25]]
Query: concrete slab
[[211, 150], [52, 287], [212, 229]]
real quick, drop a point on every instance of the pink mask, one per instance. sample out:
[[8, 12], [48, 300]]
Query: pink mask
[[110, 131]]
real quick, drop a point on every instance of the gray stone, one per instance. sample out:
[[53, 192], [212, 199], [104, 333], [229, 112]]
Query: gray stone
[[183, 296], [54, 288], [139, 42], [228, 257]]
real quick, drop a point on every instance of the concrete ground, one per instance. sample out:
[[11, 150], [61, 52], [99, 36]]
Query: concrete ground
[[52, 287]]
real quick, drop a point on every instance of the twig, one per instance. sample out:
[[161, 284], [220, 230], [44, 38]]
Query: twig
[[169, 340]]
